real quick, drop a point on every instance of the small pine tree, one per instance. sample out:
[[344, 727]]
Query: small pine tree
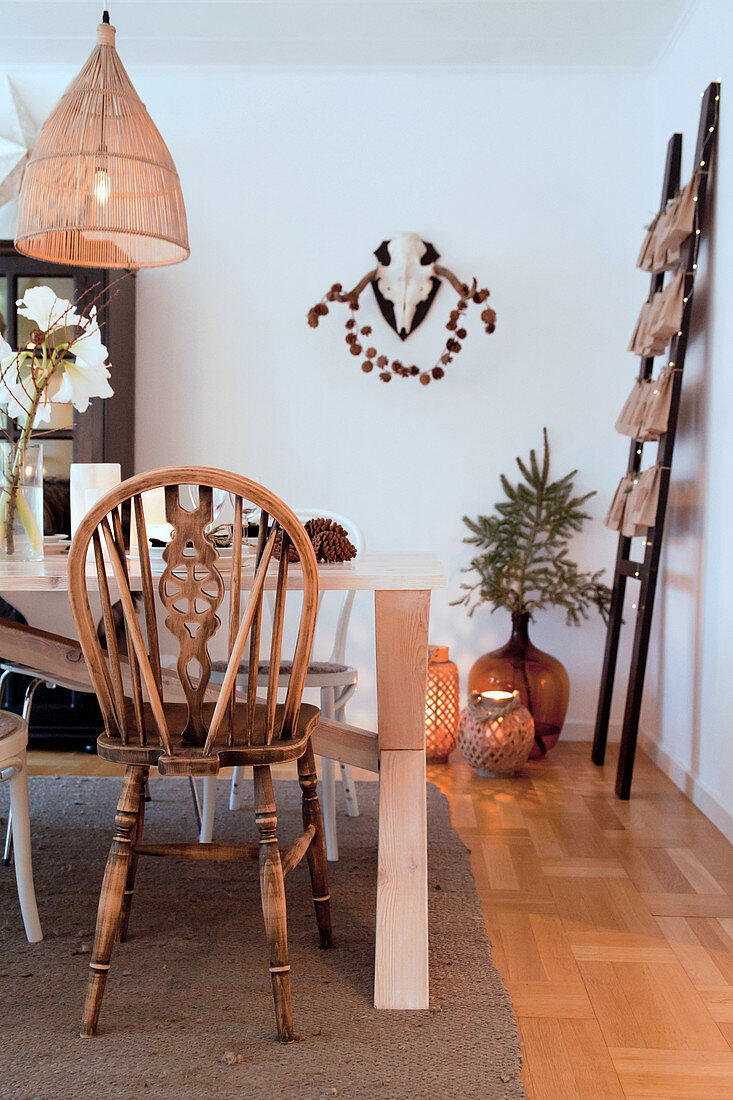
[[524, 565]]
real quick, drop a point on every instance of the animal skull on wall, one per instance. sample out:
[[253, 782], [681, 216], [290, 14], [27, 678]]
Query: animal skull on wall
[[405, 281]]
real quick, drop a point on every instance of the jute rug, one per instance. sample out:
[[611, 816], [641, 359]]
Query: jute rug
[[188, 1010]]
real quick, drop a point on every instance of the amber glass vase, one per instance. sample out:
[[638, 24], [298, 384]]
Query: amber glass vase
[[540, 679]]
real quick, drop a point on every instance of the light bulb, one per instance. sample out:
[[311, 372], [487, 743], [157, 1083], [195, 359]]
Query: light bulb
[[101, 186]]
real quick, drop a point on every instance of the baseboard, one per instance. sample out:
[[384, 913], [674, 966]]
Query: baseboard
[[583, 731], [697, 791]]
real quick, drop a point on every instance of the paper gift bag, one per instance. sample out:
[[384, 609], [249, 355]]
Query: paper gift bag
[[641, 507], [651, 341], [631, 416], [669, 318], [661, 258], [615, 515], [636, 336], [627, 418], [655, 415], [661, 318], [682, 221], [674, 227], [646, 254]]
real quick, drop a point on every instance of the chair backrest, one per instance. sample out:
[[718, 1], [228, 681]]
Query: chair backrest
[[356, 535], [191, 589]]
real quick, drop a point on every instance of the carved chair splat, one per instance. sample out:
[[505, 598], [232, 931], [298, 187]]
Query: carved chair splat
[[201, 726]]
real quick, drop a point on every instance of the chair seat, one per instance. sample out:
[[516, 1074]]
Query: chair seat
[[189, 759], [319, 674], [13, 735]]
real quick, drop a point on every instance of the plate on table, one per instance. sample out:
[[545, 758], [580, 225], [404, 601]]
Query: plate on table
[[55, 544]]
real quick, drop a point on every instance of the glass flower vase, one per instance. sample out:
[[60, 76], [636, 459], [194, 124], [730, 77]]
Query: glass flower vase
[[540, 679], [21, 502]]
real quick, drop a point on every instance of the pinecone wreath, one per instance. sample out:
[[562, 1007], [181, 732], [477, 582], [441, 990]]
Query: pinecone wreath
[[330, 541]]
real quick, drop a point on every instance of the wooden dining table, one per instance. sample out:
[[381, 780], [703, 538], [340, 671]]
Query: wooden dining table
[[402, 585]]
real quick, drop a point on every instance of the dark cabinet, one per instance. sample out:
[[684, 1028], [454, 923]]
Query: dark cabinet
[[104, 433]]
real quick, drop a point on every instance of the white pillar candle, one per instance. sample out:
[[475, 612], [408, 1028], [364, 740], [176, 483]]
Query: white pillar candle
[[89, 481]]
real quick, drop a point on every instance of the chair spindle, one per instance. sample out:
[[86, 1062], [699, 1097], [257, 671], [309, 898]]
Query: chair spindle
[[278, 620], [151, 621], [254, 642], [235, 601], [112, 665], [137, 695]]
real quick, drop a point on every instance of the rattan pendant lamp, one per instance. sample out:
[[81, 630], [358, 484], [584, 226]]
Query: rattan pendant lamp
[[100, 188]]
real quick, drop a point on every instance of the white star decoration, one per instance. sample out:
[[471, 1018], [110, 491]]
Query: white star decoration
[[15, 148]]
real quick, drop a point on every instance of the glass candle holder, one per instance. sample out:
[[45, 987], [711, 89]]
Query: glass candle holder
[[441, 705], [496, 733]]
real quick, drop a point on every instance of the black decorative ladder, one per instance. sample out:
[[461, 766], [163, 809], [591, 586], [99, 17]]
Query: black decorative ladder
[[646, 571]]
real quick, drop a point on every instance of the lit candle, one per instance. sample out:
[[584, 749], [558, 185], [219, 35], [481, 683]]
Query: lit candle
[[497, 696]]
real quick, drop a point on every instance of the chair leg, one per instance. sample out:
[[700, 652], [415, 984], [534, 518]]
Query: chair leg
[[272, 888], [112, 895], [196, 801], [8, 848], [208, 810], [317, 849], [22, 841], [235, 792], [328, 776], [132, 869], [347, 776]]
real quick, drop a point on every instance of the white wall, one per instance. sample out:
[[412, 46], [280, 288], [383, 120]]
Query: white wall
[[687, 716], [540, 185]]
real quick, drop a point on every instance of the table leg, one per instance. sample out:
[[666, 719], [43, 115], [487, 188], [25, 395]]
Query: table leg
[[401, 964]]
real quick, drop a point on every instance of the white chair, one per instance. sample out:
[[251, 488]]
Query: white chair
[[13, 768], [337, 683], [36, 678]]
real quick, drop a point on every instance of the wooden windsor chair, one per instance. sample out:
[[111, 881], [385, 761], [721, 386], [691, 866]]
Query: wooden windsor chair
[[206, 726]]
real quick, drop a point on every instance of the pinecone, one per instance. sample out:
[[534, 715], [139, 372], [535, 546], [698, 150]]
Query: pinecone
[[330, 541], [278, 547]]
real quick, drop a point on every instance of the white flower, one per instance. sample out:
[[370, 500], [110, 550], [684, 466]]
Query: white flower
[[17, 388], [82, 381], [40, 304], [47, 375], [88, 346]]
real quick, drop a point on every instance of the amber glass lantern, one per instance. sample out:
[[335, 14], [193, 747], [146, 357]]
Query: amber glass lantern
[[496, 733], [540, 679], [441, 705]]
